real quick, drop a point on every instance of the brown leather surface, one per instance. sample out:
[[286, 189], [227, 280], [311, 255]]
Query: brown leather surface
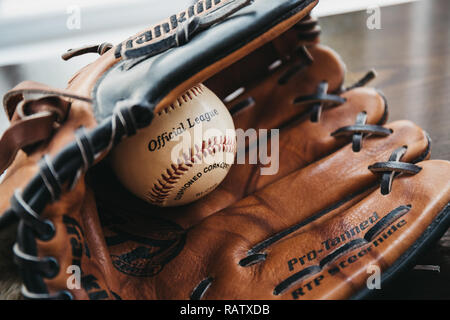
[[32, 121], [141, 253], [12, 98], [270, 95], [131, 250], [23, 133], [333, 118], [177, 259], [266, 276]]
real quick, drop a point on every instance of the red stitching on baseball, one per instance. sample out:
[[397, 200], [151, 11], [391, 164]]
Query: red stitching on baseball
[[162, 188], [184, 98]]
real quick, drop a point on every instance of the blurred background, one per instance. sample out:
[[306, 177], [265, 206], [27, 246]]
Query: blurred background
[[34, 34]]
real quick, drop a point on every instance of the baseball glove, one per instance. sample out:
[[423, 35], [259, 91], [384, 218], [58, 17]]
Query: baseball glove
[[349, 192]]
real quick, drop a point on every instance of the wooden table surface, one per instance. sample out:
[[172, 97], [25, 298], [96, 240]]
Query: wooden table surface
[[411, 54]]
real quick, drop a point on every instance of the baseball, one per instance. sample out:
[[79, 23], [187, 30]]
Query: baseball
[[183, 155]]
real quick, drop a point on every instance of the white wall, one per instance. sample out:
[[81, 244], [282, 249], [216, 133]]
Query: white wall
[[331, 7], [36, 29], [33, 33]]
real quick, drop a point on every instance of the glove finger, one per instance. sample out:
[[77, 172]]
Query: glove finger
[[332, 184], [255, 107], [309, 141], [332, 259]]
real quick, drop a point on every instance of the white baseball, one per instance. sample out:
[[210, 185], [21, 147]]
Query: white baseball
[[183, 155]]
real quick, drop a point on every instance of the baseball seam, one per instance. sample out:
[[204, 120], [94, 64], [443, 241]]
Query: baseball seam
[[195, 91], [162, 189]]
